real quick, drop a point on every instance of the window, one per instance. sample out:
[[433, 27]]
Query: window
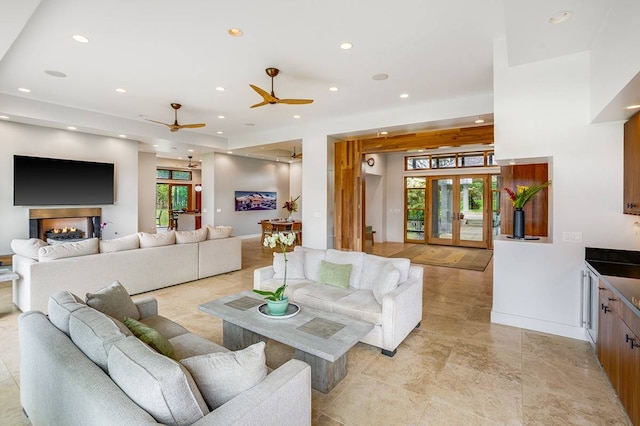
[[450, 161], [173, 174]]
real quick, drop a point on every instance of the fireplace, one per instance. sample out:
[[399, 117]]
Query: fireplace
[[64, 225]]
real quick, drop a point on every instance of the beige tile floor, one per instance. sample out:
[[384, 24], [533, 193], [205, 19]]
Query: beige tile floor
[[456, 369]]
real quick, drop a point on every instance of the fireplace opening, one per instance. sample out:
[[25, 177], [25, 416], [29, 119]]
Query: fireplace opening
[[64, 225]]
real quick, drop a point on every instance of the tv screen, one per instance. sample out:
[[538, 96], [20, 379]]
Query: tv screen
[[50, 181]]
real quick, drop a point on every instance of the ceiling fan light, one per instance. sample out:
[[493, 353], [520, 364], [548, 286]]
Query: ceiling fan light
[[235, 32], [346, 45], [560, 17]]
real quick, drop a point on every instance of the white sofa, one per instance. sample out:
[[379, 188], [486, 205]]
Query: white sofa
[[384, 291], [78, 367], [137, 264]]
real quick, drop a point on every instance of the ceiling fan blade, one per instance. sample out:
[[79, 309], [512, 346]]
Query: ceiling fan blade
[[160, 122], [191, 126], [266, 95], [295, 101], [263, 103]]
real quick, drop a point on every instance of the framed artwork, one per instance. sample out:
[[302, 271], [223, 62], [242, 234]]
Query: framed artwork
[[255, 200]]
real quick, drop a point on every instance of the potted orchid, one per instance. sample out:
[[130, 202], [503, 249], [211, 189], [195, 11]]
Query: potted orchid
[[276, 300]]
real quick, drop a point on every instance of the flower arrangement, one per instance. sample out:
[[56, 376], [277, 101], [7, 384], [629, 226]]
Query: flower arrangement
[[283, 240], [523, 194], [104, 225], [291, 205]]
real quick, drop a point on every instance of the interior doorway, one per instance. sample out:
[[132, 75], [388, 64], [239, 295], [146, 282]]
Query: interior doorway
[[171, 198]]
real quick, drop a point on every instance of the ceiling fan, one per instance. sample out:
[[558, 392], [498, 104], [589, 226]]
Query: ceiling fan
[[298, 155], [191, 166], [175, 126], [270, 98]]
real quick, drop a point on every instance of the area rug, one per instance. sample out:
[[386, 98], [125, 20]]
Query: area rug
[[451, 257]]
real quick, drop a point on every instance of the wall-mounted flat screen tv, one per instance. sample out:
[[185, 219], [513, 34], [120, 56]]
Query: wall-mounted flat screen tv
[[41, 181]]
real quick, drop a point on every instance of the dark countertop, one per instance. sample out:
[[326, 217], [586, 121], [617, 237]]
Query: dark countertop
[[621, 271]]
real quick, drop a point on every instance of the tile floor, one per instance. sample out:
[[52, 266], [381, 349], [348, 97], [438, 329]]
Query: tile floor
[[456, 369]]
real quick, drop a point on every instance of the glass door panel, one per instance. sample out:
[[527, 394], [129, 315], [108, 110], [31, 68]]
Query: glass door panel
[[415, 201], [162, 205], [471, 217], [180, 197], [441, 223]]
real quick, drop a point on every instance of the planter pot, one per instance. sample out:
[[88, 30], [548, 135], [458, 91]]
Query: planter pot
[[278, 307], [518, 223]]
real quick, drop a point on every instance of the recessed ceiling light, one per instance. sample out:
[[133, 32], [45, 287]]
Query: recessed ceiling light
[[80, 38], [346, 46], [560, 17], [24, 89], [179, 158], [290, 161], [122, 136], [221, 116], [200, 161], [235, 32], [121, 90], [512, 162], [404, 95], [632, 107], [380, 76], [220, 89], [4, 117], [479, 121], [296, 116], [190, 150], [155, 146], [71, 128], [384, 133], [229, 152], [333, 89], [219, 133], [54, 73]]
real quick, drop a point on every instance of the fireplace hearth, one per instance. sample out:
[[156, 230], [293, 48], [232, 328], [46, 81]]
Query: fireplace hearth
[[64, 224]]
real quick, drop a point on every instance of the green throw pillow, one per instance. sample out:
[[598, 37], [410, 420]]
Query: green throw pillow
[[334, 274], [151, 337]]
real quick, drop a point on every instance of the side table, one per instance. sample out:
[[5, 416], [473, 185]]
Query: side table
[[8, 275]]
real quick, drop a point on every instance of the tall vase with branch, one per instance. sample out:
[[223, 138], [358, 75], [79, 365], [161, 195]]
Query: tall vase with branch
[[291, 206], [521, 196], [276, 300]]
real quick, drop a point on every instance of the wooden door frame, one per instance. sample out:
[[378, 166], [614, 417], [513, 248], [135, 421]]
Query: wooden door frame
[[349, 196]]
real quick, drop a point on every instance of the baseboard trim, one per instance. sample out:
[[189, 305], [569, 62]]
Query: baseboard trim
[[563, 330]]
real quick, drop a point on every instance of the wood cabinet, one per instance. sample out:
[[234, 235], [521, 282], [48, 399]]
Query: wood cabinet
[[629, 371], [631, 198], [608, 333]]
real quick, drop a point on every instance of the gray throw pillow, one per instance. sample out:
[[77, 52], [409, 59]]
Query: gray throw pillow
[[114, 300]]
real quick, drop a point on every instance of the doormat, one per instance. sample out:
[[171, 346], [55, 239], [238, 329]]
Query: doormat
[[451, 257]]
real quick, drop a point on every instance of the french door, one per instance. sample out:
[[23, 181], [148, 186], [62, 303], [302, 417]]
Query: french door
[[169, 199], [449, 210]]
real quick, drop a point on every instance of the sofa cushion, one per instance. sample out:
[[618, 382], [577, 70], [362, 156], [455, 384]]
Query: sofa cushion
[[114, 300], [151, 337], [373, 266], [312, 259], [189, 344], [157, 240], [223, 375], [160, 385], [295, 265], [165, 326], [334, 274], [355, 258], [129, 242], [320, 296], [60, 306], [27, 248], [360, 305], [73, 249], [94, 333], [292, 286], [386, 282], [220, 231], [186, 237]]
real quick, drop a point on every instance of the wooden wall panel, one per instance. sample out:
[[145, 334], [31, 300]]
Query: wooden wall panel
[[536, 211], [348, 196]]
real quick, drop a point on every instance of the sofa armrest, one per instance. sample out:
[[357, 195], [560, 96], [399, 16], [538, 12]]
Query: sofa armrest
[[147, 307], [262, 274], [288, 388], [402, 309]]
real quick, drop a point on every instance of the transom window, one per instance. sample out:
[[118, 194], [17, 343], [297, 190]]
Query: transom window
[[173, 174], [450, 161]]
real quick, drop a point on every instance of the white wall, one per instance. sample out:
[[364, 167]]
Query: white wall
[[295, 186], [543, 110], [24, 139], [147, 192], [395, 197], [233, 173]]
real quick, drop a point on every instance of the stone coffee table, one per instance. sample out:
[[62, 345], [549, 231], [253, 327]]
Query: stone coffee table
[[321, 338]]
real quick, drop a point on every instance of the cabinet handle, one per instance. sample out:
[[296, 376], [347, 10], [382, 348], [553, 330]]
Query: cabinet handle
[[610, 299], [605, 308], [632, 340], [600, 288], [630, 205]]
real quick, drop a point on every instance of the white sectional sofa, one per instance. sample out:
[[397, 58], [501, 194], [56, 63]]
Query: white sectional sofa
[[79, 366], [386, 292], [142, 262]]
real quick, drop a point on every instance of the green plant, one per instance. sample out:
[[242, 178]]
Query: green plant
[[283, 240], [523, 194], [292, 205]]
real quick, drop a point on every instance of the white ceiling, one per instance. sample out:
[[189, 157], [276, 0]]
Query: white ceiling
[[164, 51]]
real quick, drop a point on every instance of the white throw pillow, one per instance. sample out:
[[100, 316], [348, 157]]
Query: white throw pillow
[[186, 237], [386, 282], [221, 376], [373, 266], [129, 242], [27, 248], [220, 231], [60, 306], [295, 265], [74, 249], [312, 261], [157, 240]]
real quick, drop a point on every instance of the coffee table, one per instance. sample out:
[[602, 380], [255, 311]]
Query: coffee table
[[321, 339]]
